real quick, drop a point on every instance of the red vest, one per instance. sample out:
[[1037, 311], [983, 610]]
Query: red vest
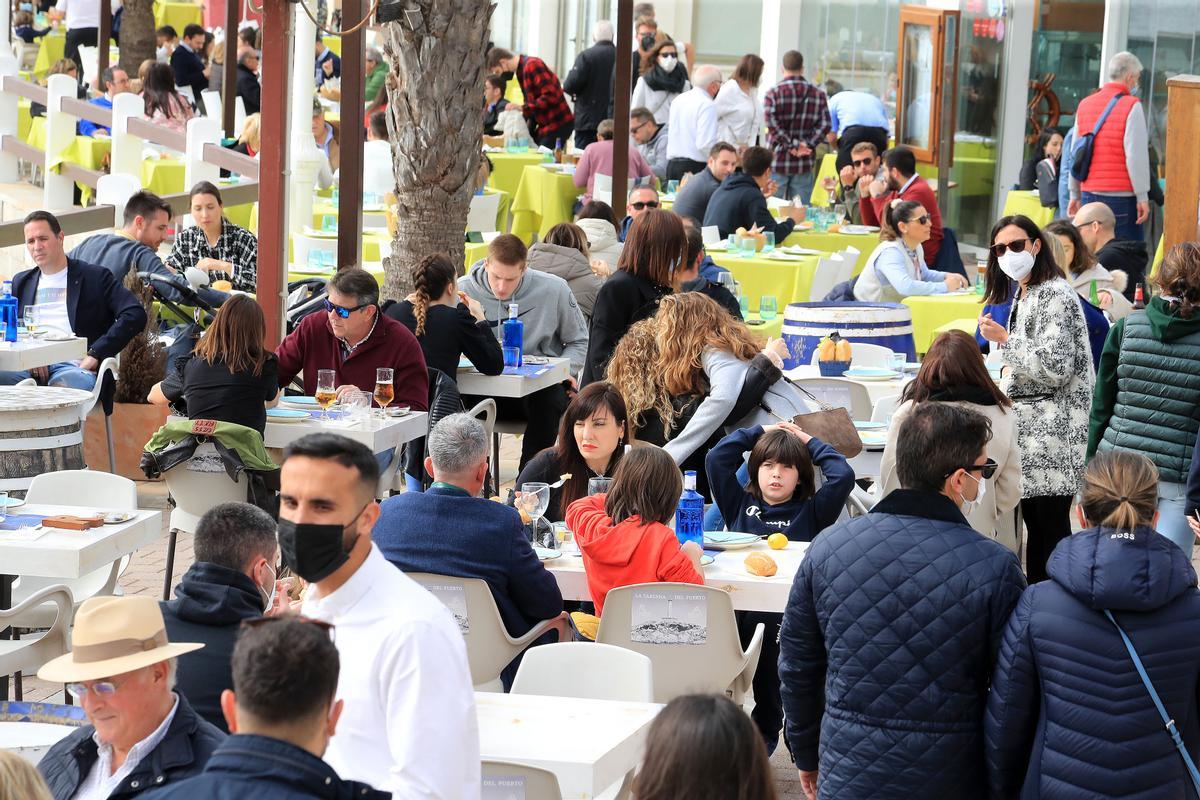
[[1107, 172]]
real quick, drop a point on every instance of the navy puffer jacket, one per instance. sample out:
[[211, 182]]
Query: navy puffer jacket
[[886, 651], [1068, 716]]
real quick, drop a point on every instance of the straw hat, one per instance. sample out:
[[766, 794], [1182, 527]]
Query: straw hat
[[114, 635]]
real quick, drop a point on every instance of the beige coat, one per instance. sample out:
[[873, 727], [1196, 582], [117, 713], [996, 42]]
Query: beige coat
[[1111, 281], [995, 516]]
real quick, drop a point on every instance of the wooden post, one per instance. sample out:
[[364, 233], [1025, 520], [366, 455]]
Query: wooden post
[[350, 192], [621, 106], [103, 35], [1181, 217], [229, 82], [273, 159]]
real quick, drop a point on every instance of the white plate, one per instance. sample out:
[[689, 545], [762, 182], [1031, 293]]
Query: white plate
[[13, 502], [706, 559], [859, 230], [729, 540], [797, 250], [546, 554], [778, 256], [117, 517], [873, 439], [865, 425], [871, 374], [58, 337]]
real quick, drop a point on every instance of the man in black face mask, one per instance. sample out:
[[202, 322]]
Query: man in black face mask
[[403, 658]]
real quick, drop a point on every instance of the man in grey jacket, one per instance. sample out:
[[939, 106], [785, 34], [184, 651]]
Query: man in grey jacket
[[554, 327], [651, 140], [692, 198]]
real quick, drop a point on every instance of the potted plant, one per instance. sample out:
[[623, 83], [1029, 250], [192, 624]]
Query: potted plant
[[134, 420]]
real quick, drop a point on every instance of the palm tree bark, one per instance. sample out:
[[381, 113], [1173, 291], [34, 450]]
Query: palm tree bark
[[137, 35], [436, 51]]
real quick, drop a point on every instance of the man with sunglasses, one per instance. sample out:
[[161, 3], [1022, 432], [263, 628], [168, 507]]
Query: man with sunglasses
[[902, 181], [865, 166], [893, 623], [651, 140], [640, 199]]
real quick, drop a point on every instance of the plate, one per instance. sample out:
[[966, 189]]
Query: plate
[[870, 374], [545, 553], [797, 250], [286, 415], [859, 230], [316, 234], [873, 438], [300, 400], [58, 337], [464, 363], [706, 559], [779, 256], [13, 502], [117, 517], [912, 366], [729, 540], [865, 425]]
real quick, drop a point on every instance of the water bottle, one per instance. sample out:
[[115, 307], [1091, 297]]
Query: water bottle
[[514, 333], [689, 514], [8, 313]]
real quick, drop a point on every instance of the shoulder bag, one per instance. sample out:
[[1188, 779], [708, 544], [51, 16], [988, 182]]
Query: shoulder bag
[[1082, 154], [831, 424]]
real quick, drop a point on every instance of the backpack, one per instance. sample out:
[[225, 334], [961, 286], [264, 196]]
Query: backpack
[[1082, 153]]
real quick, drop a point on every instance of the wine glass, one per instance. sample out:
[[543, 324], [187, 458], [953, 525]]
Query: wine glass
[[599, 485], [534, 499], [384, 391], [326, 390], [32, 317]]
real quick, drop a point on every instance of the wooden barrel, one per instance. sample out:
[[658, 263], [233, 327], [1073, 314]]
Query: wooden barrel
[[886, 324], [41, 430]]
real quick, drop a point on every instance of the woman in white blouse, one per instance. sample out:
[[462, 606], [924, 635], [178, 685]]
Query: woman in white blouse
[[739, 113], [664, 80]]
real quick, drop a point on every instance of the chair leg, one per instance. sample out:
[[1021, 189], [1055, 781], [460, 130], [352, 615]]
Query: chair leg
[[67, 699], [170, 564], [496, 459], [18, 690], [112, 452]]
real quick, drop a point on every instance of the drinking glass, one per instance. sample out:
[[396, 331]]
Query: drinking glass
[[3, 506], [599, 485], [898, 360], [33, 316], [744, 304], [672, 187], [384, 391], [328, 223], [512, 356], [748, 246], [326, 390], [334, 194], [768, 307], [357, 407], [731, 246], [534, 499], [3, 331], [769, 241], [727, 280]]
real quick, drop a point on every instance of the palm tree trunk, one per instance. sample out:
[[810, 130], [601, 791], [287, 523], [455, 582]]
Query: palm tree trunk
[[137, 35], [435, 124]]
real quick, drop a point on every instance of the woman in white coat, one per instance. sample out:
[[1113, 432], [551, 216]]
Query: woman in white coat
[[661, 83], [953, 372], [599, 224], [739, 112]]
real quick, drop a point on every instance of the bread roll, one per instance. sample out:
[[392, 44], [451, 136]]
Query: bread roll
[[761, 564]]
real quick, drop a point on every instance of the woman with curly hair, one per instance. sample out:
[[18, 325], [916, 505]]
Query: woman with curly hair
[[446, 322]]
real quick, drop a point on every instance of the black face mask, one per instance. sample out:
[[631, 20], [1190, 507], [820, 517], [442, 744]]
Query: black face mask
[[647, 42], [507, 75], [312, 551]]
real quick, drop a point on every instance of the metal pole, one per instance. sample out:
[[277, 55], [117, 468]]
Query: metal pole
[[229, 82], [350, 190], [621, 106], [104, 33], [273, 171]]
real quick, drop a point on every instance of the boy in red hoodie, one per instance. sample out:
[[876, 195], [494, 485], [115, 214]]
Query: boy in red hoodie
[[623, 535]]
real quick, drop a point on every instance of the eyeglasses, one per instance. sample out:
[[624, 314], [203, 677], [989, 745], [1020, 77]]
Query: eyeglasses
[[1017, 246], [639, 205], [342, 311], [986, 470], [638, 128], [99, 688], [863, 162], [1079, 225]]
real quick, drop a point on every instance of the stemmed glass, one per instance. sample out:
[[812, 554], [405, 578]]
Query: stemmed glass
[[384, 391], [534, 499], [32, 315], [326, 390]]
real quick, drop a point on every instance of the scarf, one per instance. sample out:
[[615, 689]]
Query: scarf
[[660, 80], [977, 395]]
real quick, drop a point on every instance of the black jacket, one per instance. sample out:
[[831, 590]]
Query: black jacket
[[249, 89], [491, 117], [189, 71], [182, 753], [210, 604], [623, 300], [251, 767], [590, 83], [717, 292], [1126, 255], [108, 316], [739, 203]]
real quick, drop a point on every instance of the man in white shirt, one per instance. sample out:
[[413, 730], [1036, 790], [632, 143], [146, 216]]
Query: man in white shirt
[[82, 20], [409, 723], [693, 124], [379, 176]]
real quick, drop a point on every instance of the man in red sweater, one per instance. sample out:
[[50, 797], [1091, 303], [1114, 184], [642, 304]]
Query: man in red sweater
[[546, 108], [903, 182], [354, 339]]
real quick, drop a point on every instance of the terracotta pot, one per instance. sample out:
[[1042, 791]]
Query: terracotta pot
[[133, 424]]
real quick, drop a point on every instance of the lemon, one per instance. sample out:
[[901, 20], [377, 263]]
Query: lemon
[[777, 541]]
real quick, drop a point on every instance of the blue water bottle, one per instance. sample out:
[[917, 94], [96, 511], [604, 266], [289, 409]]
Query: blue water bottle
[[689, 515], [514, 335], [8, 313]]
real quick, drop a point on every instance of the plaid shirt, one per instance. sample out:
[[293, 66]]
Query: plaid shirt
[[545, 106], [236, 245], [795, 111]]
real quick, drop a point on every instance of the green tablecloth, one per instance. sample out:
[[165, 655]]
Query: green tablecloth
[[544, 198], [507, 169], [473, 252], [788, 281], [1158, 256], [24, 121], [828, 169], [1029, 204], [513, 93], [325, 206], [836, 243], [177, 15], [930, 312], [371, 247], [163, 176], [334, 43], [51, 48], [769, 329]]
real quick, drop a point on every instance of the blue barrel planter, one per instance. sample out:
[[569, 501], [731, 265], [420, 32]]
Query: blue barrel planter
[[885, 324]]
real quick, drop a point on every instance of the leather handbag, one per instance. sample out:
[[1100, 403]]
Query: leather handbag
[[831, 424]]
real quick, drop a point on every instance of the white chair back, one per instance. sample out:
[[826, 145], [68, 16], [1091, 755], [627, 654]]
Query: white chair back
[[187, 93], [239, 114], [198, 484], [212, 104], [825, 278], [115, 190], [537, 783], [840, 393], [585, 669], [303, 245], [26, 54], [482, 214], [885, 407], [90, 58], [83, 487], [850, 256], [602, 188], [28, 654]]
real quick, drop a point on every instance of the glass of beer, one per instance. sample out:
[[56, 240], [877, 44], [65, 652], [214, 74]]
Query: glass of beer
[[384, 391], [326, 390]]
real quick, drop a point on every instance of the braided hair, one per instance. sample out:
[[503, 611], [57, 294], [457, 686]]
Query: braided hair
[[430, 279]]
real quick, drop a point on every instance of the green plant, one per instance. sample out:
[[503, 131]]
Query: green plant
[[144, 360]]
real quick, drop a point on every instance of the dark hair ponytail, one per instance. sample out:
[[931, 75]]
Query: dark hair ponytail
[[430, 279], [895, 212]]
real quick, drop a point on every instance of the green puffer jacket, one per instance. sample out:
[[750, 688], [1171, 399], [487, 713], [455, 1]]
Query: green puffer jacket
[[1147, 397]]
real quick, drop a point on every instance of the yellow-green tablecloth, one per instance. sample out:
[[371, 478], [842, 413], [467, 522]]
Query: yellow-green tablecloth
[[177, 15], [51, 48], [930, 312], [472, 252], [769, 329], [507, 169], [544, 198], [1158, 257], [334, 43], [24, 120], [513, 93], [371, 247], [788, 281], [1029, 204], [163, 176]]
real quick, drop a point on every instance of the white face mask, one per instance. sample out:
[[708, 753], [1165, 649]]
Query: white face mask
[[1016, 265], [667, 62], [270, 596], [969, 506]]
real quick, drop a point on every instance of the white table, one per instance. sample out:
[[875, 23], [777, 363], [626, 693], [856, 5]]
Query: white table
[[727, 572], [588, 744], [25, 354], [31, 740], [476, 383], [378, 434]]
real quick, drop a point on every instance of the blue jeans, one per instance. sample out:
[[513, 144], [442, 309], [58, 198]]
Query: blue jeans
[[1124, 208], [1172, 519], [64, 373], [790, 186]]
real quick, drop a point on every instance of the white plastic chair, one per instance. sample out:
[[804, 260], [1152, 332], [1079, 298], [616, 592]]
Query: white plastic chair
[[186, 92], [717, 665], [540, 784], [482, 214], [864, 354], [602, 187], [860, 502], [26, 54], [484, 410], [585, 669], [89, 57], [196, 485], [212, 103], [850, 258], [489, 647], [18, 656], [840, 393], [303, 245], [107, 367], [885, 407], [825, 278]]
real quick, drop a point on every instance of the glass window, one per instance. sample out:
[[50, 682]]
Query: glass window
[[726, 29]]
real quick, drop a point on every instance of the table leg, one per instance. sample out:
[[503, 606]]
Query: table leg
[[6, 582]]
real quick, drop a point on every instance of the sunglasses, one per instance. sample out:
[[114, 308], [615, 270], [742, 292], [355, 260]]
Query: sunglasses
[[862, 162], [923, 219], [986, 470], [639, 205], [1017, 246], [342, 311]]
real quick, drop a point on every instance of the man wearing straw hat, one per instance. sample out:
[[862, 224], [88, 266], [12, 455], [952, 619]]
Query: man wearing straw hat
[[142, 734]]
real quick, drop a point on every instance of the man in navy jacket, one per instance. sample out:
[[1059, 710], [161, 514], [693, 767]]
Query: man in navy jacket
[[741, 199], [187, 62], [74, 297], [451, 530]]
